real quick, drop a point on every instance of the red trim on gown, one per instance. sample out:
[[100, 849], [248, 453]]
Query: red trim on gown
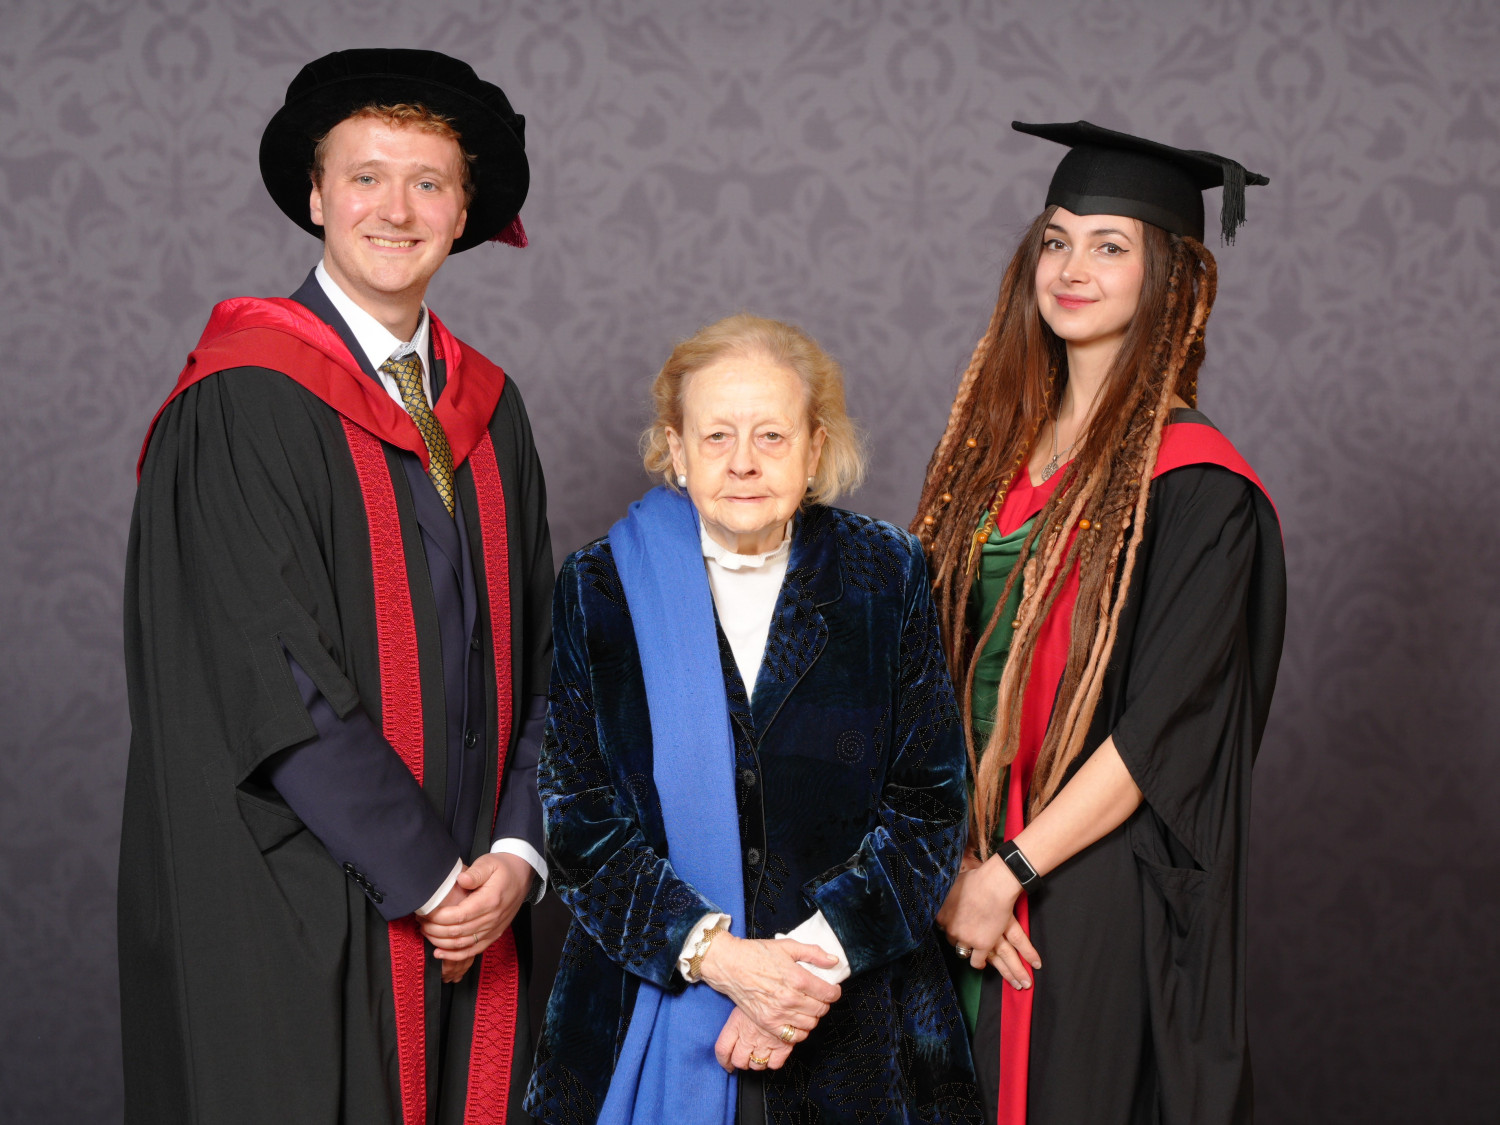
[[401, 723], [493, 1040], [1182, 444], [1022, 502], [282, 335]]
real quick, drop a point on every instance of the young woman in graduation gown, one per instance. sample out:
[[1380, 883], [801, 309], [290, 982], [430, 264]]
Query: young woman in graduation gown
[[1110, 582]]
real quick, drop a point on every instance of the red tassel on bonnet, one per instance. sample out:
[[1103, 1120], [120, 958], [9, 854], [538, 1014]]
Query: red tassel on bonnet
[[513, 235]]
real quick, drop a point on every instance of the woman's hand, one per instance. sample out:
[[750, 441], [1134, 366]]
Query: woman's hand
[[1013, 953], [979, 915], [764, 980], [742, 1038]]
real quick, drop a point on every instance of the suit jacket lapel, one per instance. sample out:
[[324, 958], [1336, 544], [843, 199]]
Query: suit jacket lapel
[[798, 630]]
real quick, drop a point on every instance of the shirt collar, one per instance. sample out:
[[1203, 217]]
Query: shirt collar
[[726, 558], [375, 339]]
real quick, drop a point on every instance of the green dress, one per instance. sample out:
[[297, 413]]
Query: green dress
[[999, 555]]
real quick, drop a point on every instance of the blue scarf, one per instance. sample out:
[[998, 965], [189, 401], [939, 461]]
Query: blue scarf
[[666, 1071]]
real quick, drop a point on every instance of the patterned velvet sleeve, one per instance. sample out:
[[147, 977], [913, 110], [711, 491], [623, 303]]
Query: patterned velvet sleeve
[[882, 901], [620, 890]]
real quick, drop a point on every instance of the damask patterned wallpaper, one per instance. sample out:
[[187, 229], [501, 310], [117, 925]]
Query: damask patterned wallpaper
[[848, 165]]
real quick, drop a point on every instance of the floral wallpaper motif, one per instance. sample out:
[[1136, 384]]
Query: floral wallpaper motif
[[848, 165]]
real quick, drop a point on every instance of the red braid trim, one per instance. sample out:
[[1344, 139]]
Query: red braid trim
[[493, 1043], [401, 723]]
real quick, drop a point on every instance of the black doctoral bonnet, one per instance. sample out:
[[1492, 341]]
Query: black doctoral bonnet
[[1111, 173], [329, 89]]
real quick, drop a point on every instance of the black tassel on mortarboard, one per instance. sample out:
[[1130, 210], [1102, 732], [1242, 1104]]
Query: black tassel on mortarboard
[[1232, 209]]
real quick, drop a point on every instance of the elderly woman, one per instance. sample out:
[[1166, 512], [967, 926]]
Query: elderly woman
[[753, 776]]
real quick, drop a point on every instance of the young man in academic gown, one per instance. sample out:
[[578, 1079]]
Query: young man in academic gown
[[337, 644]]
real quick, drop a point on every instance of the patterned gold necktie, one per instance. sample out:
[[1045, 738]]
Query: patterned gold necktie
[[407, 372]]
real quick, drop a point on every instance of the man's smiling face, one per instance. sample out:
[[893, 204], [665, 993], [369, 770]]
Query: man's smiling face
[[391, 202]]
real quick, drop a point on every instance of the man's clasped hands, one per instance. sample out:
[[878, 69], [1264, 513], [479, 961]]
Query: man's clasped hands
[[477, 910]]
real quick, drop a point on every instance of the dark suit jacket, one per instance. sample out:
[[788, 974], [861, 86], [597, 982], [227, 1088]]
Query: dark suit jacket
[[850, 775]]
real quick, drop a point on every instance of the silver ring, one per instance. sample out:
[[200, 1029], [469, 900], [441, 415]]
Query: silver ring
[[963, 951]]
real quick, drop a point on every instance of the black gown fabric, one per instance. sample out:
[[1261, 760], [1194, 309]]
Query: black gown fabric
[[1139, 1011], [255, 974]]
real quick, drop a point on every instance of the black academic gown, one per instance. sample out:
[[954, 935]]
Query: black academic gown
[[1139, 1015], [255, 964]]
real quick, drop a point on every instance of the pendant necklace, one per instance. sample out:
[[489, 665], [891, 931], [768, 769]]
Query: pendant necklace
[[1051, 466]]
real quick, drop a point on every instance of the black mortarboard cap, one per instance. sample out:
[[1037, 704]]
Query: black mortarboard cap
[[1110, 173]]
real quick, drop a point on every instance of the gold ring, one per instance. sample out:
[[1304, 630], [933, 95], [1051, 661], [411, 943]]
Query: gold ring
[[758, 1062], [473, 939], [787, 1034], [963, 951]]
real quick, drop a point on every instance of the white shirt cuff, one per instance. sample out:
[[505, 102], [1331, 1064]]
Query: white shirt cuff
[[706, 923], [514, 845], [442, 892], [817, 931]]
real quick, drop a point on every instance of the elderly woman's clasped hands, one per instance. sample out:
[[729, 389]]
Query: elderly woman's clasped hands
[[777, 1001]]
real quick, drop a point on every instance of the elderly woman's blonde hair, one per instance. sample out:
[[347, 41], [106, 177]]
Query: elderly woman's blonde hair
[[842, 465]]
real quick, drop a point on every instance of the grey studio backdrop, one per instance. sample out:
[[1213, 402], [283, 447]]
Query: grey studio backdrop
[[848, 166]]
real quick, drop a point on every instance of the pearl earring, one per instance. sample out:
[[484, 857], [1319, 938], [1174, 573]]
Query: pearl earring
[[681, 480], [809, 482]]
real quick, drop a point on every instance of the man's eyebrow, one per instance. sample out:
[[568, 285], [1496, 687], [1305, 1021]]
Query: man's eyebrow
[[420, 169]]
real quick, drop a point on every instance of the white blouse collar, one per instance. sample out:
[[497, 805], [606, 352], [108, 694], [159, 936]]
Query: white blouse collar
[[726, 558]]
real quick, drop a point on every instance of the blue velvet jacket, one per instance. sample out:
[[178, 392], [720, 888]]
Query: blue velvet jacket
[[850, 778]]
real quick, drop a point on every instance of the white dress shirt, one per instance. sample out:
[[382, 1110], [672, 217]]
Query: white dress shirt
[[745, 589], [380, 344]]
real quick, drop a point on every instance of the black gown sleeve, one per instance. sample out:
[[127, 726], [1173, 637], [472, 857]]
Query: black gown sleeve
[[533, 555], [532, 573], [1187, 726], [237, 499]]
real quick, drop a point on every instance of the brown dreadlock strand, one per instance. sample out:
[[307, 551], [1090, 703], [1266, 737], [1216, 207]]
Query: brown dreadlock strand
[[1094, 521], [1001, 400]]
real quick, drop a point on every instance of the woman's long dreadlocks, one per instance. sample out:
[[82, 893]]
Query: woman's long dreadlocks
[[1009, 390]]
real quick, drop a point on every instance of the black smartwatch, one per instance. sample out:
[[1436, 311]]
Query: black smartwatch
[[1019, 866]]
